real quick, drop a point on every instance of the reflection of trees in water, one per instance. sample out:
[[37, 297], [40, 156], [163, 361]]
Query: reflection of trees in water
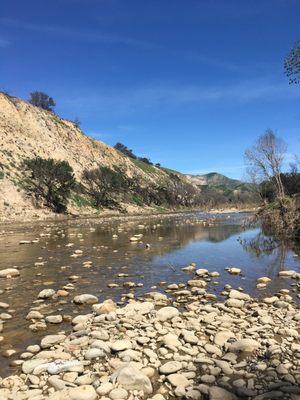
[[222, 232], [180, 236], [259, 244], [262, 245]]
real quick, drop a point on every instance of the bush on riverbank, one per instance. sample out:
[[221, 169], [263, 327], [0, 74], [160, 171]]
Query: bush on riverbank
[[49, 181], [105, 186], [280, 218]]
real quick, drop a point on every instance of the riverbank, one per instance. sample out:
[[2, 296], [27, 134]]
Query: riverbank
[[183, 346], [47, 216]]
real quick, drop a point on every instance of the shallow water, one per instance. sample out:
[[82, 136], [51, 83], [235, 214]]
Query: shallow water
[[175, 242]]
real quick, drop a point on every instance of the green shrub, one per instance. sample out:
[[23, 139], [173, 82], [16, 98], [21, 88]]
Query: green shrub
[[148, 168], [49, 181], [105, 186]]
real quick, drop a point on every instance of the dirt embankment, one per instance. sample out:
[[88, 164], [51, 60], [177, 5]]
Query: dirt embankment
[[27, 131]]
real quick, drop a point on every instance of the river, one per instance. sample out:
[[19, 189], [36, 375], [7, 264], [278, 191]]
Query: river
[[167, 244]]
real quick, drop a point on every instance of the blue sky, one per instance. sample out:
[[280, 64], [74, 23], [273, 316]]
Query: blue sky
[[188, 83]]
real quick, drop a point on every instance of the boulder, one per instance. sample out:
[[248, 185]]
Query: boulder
[[121, 345], [222, 337], [218, 393], [84, 392], [140, 308], [198, 283], [263, 279], [236, 294], [9, 272], [132, 379], [171, 340], [106, 307], [29, 365], [234, 271], [170, 367], [178, 380], [85, 299], [244, 346], [46, 293], [54, 319], [287, 274], [235, 303], [201, 272], [51, 340], [166, 313]]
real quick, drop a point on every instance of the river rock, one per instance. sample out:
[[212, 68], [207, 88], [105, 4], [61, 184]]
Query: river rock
[[46, 293], [218, 393], [104, 388], [236, 294], [234, 271], [85, 299], [287, 274], [211, 349], [222, 337], [94, 353], [57, 383], [34, 315], [118, 394], [178, 380], [235, 303], [244, 345], [51, 340], [171, 340], [29, 365], [166, 313], [201, 272], [198, 283], [84, 392], [9, 272], [264, 279], [121, 345], [133, 379], [140, 308], [106, 307], [54, 319], [170, 367]]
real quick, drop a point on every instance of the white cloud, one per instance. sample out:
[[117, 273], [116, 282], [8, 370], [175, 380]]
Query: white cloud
[[145, 98], [92, 36]]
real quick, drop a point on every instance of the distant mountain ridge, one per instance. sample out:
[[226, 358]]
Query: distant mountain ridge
[[215, 179], [220, 186]]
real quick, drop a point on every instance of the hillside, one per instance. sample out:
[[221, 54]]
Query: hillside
[[27, 131], [215, 179], [220, 186]]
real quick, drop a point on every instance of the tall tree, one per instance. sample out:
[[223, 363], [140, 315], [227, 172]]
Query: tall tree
[[265, 159]]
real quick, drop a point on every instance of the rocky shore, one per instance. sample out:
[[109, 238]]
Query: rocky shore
[[187, 345]]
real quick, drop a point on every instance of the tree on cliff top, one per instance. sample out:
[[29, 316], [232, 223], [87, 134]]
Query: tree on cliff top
[[42, 100]]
